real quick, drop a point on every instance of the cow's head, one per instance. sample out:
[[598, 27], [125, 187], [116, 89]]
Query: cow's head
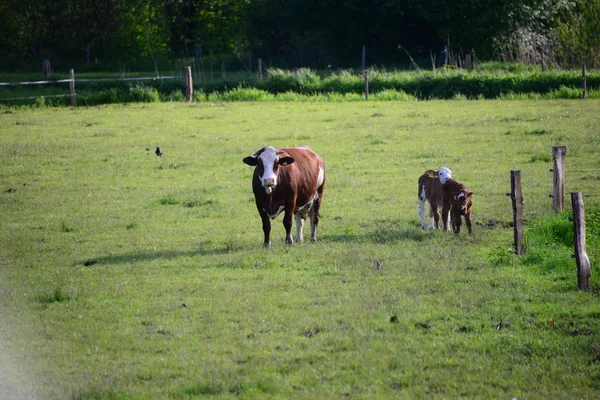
[[462, 200], [444, 174], [267, 162]]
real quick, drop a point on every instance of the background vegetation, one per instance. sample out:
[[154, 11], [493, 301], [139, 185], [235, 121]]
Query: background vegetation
[[487, 81], [134, 34], [127, 275]]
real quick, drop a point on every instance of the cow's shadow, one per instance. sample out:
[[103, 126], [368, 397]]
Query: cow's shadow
[[129, 258]]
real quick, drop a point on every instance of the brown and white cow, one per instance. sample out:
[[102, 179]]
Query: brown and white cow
[[458, 202], [430, 190], [289, 180]]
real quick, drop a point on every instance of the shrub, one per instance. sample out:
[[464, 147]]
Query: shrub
[[176, 95], [143, 94]]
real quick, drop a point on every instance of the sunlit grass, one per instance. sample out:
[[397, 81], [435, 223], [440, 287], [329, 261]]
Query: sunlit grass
[[129, 275]]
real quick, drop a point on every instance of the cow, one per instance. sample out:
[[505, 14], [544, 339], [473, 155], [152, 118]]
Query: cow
[[430, 190], [288, 180], [457, 200]]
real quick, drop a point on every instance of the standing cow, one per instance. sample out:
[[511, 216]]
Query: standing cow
[[289, 180]]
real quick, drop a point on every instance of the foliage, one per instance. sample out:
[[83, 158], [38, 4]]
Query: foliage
[[489, 81], [577, 33], [293, 33]]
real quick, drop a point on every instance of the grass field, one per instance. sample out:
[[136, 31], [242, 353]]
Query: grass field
[[127, 275]]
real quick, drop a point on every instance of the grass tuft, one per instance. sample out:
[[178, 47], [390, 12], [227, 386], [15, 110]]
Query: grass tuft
[[56, 296]]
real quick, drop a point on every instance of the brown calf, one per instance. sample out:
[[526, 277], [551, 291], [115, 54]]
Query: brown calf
[[458, 202]]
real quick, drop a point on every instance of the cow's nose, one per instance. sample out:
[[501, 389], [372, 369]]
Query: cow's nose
[[269, 182]]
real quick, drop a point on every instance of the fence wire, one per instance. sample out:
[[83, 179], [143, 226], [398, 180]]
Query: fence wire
[[30, 83]]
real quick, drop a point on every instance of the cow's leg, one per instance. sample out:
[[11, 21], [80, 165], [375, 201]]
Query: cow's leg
[[422, 212], [468, 222], [266, 226], [287, 222], [446, 216], [457, 222], [435, 219], [299, 225], [314, 215]]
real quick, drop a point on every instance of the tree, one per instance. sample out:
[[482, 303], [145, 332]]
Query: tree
[[578, 34]]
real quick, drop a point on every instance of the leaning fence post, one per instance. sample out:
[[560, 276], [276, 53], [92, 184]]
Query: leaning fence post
[[583, 262], [72, 88], [516, 196], [189, 87], [558, 178], [366, 73]]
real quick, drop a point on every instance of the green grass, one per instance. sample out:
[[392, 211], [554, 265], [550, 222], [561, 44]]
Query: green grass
[[127, 275]]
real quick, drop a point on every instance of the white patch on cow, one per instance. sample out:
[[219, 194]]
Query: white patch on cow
[[444, 174], [461, 194], [276, 214], [299, 226], [269, 177], [321, 177]]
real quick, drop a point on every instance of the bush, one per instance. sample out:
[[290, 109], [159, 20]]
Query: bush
[[143, 94]]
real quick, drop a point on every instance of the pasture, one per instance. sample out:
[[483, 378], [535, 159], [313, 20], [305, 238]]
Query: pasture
[[128, 275]]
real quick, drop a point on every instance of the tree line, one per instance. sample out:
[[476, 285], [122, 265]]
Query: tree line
[[294, 33]]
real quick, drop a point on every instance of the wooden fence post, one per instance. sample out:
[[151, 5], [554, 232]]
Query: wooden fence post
[[260, 72], [468, 62], [189, 87], [366, 73], [583, 83], [72, 88], [517, 199], [516, 195], [558, 179], [363, 58], [583, 262]]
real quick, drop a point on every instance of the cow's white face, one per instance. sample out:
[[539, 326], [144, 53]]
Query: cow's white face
[[267, 161], [444, 174]]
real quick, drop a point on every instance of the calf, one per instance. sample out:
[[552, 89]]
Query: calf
[[288, 180], [430, 190], [458, 202]]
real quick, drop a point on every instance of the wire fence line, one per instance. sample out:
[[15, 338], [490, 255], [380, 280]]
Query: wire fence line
[[35, 97], [69, 80], [141, 78]]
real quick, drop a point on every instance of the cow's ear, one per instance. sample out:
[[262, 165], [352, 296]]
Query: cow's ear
[[285, 161], [252, 161], [470, 194], [430, 173], [454, 197]]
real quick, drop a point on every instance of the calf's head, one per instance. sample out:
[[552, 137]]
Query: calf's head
[[267, 162], [462, 200], [444, 174]]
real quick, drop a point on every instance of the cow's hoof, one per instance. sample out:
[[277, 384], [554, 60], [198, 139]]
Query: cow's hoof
[[267, 245]]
